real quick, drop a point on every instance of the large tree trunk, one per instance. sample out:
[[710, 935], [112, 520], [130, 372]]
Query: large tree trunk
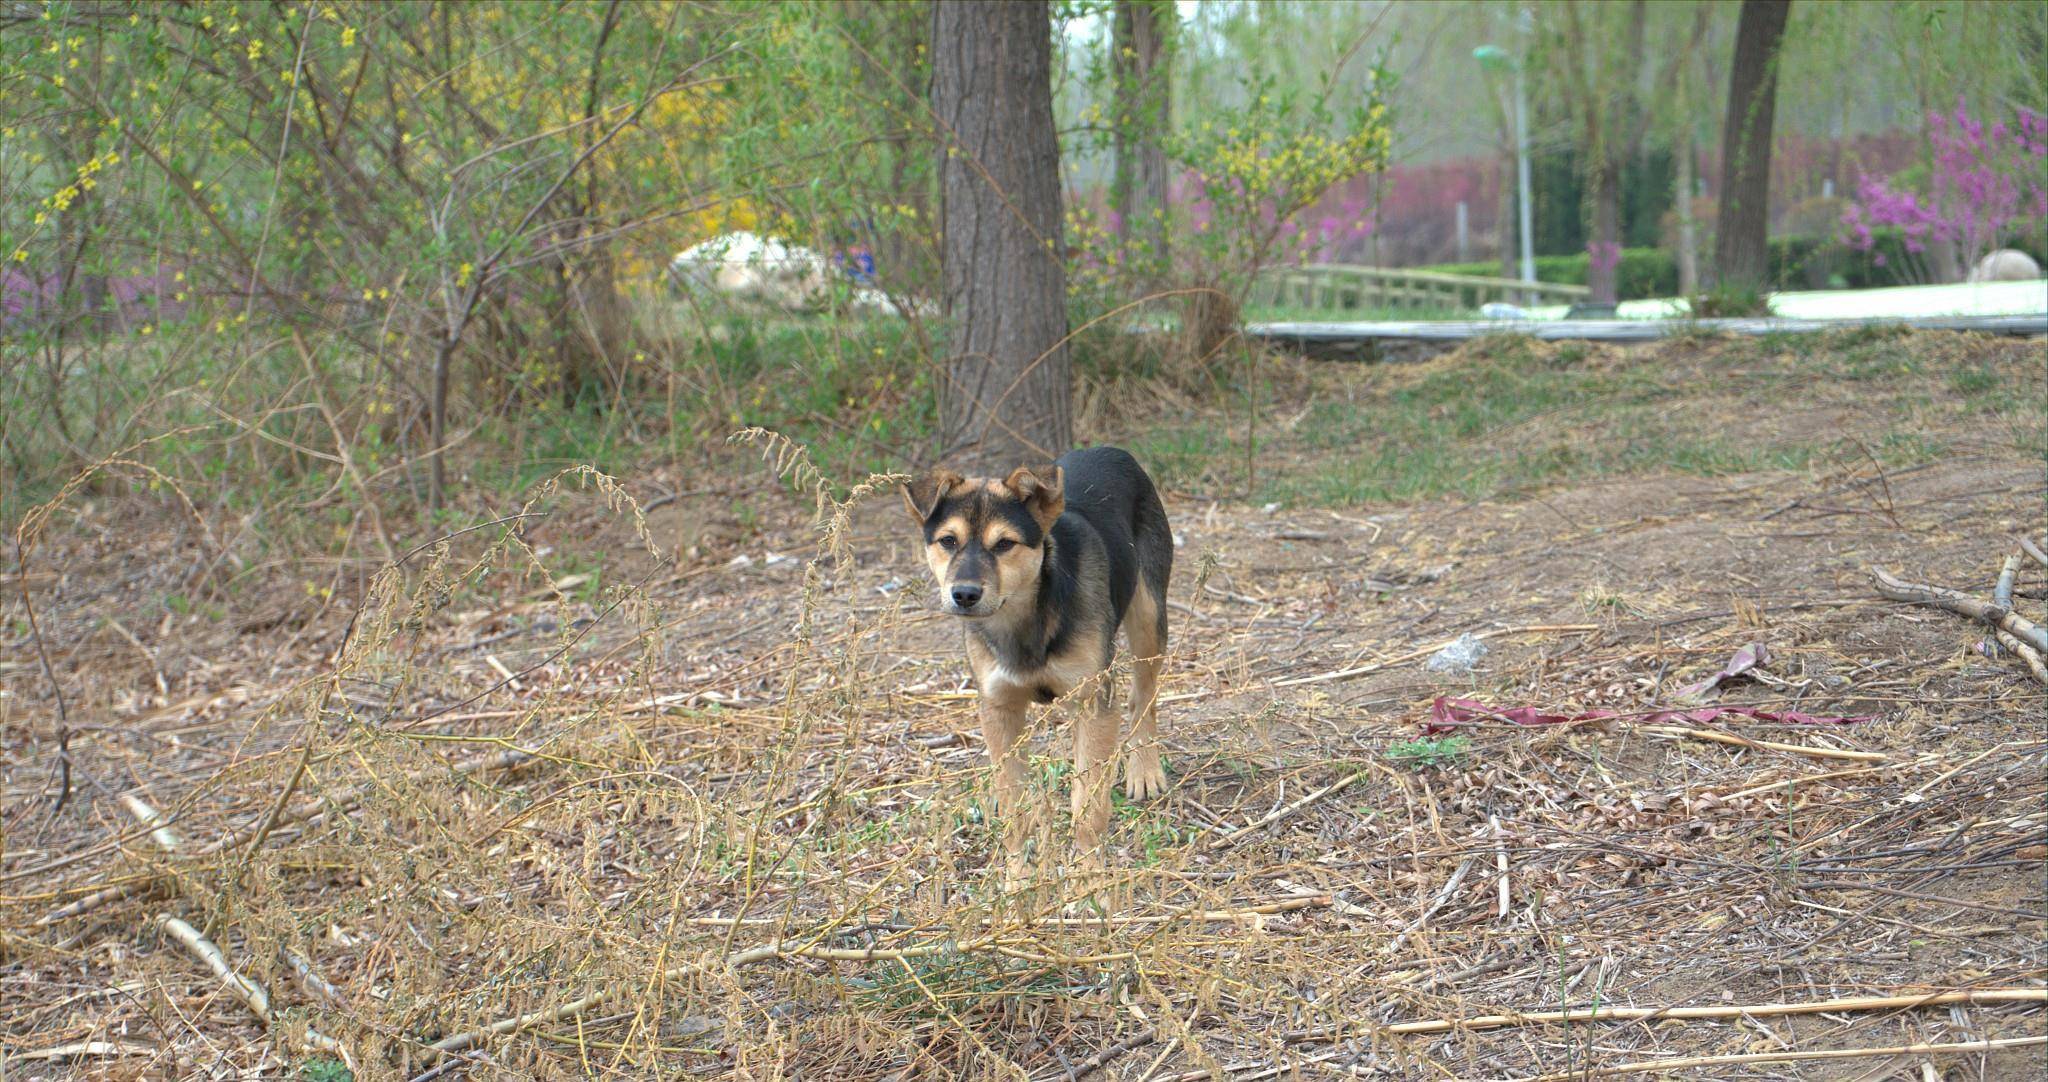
[[1144, 113], [1604, 253], [1741, 252], [1006, 398]]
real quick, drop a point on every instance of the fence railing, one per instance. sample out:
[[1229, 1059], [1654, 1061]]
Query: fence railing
[[1337, 287]]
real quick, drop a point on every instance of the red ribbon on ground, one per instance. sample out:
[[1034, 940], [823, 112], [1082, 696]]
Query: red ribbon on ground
[[1446, 714]]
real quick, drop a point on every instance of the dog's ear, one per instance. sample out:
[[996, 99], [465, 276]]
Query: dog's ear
[[922, 495], [1043, 489]]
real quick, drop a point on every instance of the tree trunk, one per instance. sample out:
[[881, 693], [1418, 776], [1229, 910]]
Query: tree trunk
[[1741, 251], [1688, 229], [1144, 112], [1604, 253], [1007, 393]]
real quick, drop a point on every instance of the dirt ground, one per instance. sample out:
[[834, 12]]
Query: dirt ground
[[723, 799]]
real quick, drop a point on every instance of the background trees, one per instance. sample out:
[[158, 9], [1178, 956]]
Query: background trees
[[463, 212]]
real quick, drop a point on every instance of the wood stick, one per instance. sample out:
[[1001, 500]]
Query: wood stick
[[2001, 594], [2028, 546], [1310, 900], [1636, 1014], [1789, 1055], [1963, 604], [1248, 914], [1500, 864], [77, 1049], [2027, 655], [249, 992], [1101, 1059], [1720, 737], [1789, 783], [1443, 895], [1386, 663], [307, 813], [1235, 836], [777, 949], [160, 833]]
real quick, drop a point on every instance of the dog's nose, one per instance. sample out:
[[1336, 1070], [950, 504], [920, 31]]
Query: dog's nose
[[966, 595]]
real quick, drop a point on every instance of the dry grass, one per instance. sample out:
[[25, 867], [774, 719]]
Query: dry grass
[[730, 810]]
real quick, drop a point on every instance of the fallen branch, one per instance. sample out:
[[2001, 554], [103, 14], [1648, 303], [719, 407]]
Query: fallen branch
[[2001, 596], [1979, 997], [242, 988], [1976, 608], [1790, 1056], [248, 991]]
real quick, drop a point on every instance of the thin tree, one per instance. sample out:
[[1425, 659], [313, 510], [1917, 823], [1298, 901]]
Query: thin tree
[[1140, 52], [1606, 63], [1741, 252], [1007, 389]]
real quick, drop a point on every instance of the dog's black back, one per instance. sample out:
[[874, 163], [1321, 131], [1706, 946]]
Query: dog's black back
[[1109, 493]]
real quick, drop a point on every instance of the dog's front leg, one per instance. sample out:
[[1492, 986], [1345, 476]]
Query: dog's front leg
[[1002, 727]]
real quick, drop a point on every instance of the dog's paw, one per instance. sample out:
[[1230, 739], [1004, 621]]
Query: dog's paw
[[1144, 774]]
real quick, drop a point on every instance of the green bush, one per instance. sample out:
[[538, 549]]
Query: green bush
[[1797, 262]]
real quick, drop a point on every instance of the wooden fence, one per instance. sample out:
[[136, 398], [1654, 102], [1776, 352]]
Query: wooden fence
[[1339, 287]]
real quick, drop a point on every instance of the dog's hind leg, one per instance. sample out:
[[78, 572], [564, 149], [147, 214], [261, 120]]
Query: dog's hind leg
[[1095, 746], [1145, 630]]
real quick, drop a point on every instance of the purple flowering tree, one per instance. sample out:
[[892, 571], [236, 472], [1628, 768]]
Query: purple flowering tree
[[1984, 189]]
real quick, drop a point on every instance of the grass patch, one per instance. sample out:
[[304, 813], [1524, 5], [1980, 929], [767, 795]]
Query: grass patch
[[1511, 414], [1431, 752]]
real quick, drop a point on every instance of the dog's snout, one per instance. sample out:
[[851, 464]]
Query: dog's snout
[[966, 594]]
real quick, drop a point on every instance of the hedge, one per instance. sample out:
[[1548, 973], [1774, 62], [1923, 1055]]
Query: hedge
[[1805, 262]]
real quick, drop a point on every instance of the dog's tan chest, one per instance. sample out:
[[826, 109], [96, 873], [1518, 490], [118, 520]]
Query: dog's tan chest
[[1078, 663]]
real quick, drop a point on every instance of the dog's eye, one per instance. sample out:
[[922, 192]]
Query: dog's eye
[[948, 542], [1003, 546]]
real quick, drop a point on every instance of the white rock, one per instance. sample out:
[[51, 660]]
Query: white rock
[[2005, 265]]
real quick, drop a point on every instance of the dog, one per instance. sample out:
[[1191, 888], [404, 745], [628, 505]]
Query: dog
[[1042, 568]]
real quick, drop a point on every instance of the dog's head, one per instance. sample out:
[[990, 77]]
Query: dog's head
[[984, 539]]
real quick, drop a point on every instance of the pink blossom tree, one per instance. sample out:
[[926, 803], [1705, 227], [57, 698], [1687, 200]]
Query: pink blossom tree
[[1985, 189]]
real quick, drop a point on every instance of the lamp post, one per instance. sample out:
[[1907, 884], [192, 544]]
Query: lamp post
[[1493, 58]]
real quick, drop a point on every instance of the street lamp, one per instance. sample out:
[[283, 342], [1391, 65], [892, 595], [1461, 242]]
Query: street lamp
[[1494, 58]]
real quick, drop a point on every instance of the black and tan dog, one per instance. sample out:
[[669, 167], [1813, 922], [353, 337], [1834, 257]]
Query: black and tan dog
[[1043, 567]]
